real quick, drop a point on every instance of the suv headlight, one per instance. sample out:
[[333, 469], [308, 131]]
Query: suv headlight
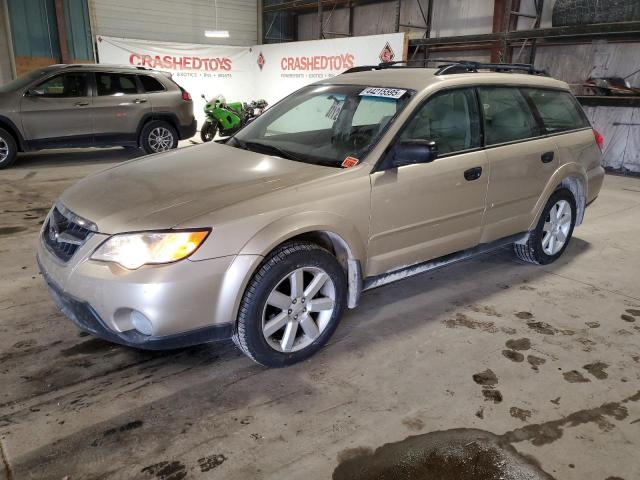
[[132, 250]]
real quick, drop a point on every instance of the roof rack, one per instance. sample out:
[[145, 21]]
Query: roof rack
[[101, 65], [449, 67]]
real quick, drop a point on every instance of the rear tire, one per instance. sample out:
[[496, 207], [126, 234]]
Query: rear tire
[[548, 241], [158, 136], [291, 306], [8, 149], [208, 131]]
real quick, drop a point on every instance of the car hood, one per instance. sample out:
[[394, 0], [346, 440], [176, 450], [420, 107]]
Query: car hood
[[163, 190]]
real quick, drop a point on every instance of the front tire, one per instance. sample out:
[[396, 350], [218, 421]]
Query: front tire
[[208, 131], [8, 149], [292, 305], [548, 241], [158, 136]]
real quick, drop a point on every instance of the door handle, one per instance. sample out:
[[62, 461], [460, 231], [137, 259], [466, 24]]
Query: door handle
[[547, 157], [140, 100], [473, 174], [81, 104]]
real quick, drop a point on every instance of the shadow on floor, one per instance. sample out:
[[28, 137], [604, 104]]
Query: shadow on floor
[[74, 157]]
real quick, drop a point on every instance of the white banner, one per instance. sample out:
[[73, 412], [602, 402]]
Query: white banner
[[207, 70], [281, 68], [270, 71]]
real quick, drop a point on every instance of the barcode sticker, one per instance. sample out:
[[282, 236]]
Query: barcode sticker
[[383, 92]]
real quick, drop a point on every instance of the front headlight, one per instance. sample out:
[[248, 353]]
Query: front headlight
[[132, 250]]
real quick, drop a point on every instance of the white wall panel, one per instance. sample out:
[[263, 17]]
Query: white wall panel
[[462, 17], [177, 21]]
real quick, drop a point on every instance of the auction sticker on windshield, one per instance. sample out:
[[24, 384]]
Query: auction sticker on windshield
[[383, 92]]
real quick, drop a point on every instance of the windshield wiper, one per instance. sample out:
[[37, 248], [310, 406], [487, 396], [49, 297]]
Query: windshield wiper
[[270, 148]]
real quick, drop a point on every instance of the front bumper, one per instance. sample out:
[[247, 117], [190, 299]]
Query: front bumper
[[186, 302], [87, 320]]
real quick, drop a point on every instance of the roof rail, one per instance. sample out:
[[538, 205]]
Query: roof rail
[[449, 67], [467, 66], [99, 65]]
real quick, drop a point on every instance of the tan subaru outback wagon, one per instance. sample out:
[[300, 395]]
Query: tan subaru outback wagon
[[345, 185]]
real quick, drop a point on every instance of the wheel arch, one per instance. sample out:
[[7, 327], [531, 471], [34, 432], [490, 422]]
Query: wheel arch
[[330, 231], [572, 177], [10, 127], [171, 118]]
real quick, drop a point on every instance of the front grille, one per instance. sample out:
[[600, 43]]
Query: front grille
[[63, 233]]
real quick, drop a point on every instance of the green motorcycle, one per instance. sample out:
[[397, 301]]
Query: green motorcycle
[[227, 118]]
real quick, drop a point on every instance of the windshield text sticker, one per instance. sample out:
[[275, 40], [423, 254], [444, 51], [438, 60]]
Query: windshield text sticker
[[335, 109], [383, 92]]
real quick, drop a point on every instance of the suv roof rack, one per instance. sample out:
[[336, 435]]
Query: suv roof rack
[[448, 67], [101, 65]]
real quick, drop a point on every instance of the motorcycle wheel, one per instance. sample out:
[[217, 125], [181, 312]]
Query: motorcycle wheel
[[208, 131]]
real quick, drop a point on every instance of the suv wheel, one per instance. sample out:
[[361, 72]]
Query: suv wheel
[[291, 306], [8, 149], [158, 136], [552, 234]]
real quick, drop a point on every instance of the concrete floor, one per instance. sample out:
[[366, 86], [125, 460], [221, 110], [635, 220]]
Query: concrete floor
[[545, 358]]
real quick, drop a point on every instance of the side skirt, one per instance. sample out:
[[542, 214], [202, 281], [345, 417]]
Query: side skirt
[[410, 271]]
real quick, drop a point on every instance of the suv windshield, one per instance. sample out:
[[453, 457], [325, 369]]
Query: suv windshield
[[22, 81], [324, 124]]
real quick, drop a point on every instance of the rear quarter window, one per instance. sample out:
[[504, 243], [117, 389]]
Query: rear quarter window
[[150, 84], [559, 111]]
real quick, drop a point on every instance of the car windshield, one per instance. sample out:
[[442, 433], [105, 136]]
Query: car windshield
[[324, 124], [22, 81]]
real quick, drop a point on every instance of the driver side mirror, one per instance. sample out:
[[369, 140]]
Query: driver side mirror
[[409, 152]]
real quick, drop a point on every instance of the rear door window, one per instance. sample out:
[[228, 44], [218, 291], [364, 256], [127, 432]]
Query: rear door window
[[559, 110], [150, 84], [507, 115], [116, 84]]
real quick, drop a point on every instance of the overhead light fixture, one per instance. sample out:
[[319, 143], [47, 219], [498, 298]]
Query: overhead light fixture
[[216, 33]]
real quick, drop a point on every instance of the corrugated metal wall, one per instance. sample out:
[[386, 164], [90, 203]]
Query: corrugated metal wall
[[33, 28], [79, 41], [5, 54], [177, 21], [450, 17], [34, 34], [620, 126], [454, 17]]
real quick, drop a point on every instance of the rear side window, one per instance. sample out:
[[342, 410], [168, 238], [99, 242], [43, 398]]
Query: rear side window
[[507, 116], [116, 84], [559, 110], [150, 84]]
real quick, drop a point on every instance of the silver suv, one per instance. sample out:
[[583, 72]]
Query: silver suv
[[65, 106], [343, 186]]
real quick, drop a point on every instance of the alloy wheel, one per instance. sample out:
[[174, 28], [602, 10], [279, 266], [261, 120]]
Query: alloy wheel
[[298, 309], [160, 139], [4, 150], [556, 229]]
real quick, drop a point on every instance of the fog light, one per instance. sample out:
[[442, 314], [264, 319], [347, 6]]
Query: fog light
[[141, 323]]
